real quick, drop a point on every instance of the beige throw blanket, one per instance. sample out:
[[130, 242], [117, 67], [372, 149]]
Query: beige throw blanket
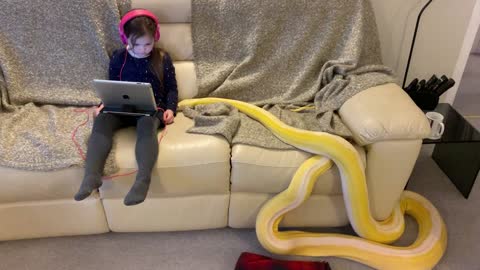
[[50, 51], [282, 55]]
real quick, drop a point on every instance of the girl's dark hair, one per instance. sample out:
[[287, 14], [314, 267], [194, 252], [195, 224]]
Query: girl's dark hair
[[139, 27]]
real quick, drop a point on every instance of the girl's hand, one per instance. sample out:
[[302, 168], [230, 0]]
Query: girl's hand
[[168, 117], [97, 110]]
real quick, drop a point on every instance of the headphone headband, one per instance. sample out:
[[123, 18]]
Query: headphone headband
[[133, 14]]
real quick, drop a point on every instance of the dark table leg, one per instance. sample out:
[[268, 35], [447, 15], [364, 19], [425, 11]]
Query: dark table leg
[[460, 162]]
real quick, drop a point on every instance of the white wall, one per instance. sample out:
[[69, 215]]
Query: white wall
[[441, 40]]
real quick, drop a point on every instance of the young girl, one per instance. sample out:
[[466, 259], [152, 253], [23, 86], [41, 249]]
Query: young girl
[[140, 61]]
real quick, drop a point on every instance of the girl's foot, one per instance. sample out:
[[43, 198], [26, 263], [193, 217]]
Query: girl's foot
[[89, 184], [137, 193]]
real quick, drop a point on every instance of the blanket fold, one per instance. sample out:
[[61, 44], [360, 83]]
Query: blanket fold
[[282, 55], [50, 51]]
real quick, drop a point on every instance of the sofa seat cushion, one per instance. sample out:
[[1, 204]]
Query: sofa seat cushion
[[23, 186], [260, 170], [188, 164]]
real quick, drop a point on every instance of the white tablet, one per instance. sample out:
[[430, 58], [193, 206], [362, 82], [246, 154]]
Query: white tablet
[[122, 97]]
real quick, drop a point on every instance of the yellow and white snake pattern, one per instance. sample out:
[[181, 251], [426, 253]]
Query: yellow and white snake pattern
[[371, 247]]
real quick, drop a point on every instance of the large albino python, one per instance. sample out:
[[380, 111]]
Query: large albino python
[[370, 247]]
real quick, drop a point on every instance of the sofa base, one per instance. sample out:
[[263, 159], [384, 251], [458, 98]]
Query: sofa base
[[35, 219], [168, 213], [317, 211]]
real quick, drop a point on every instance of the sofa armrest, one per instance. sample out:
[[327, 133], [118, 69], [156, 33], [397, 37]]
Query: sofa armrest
[[384, 113]]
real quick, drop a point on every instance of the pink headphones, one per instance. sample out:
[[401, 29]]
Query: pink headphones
[[133, 14]]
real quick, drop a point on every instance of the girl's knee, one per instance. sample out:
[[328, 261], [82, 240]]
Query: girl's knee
[[103, 123], [147, 122], [147, 126]]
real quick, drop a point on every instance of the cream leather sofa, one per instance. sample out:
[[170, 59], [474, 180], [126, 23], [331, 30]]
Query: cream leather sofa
[[202, 182]]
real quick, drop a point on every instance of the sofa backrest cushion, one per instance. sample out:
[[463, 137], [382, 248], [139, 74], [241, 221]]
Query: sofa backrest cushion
[[174, 17]]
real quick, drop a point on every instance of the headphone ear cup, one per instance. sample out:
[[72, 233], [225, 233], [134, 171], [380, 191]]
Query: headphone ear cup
[[157, 34]]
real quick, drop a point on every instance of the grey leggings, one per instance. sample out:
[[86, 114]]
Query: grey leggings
[[100, 142]]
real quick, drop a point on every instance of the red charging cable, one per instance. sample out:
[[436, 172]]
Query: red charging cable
[[123, 65], [82, 154]]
